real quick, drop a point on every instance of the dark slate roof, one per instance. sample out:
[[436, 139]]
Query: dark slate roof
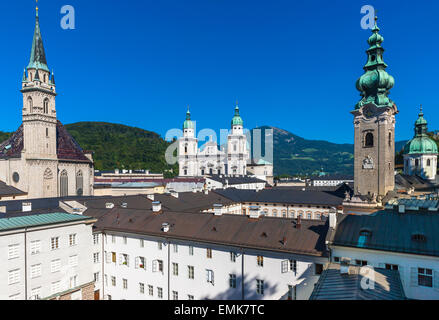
[[6, 190], [282, 195], [66, 147], [390, 231], [338, 191], [233, 230], [404, 182], [192, 202], [335, 286], [236, 179], [334, 177]]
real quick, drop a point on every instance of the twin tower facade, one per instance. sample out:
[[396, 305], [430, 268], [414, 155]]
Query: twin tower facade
[[209, 159]]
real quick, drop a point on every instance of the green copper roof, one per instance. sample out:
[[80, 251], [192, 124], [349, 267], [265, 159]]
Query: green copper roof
[[188, 124], [37, 55], [421, 143], [237, 121], [375, 83], [34, 220]]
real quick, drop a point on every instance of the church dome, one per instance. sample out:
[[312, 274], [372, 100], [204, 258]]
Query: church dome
[[237, 120], [421, 143], [188, 124]]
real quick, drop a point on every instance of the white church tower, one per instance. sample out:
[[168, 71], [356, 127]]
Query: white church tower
[[237, 153], [188, 149]]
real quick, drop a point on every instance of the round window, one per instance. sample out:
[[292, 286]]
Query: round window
[[15, 177]]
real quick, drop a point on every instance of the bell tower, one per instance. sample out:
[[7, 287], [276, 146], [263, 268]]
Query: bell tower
[[39, 110], [237, 153], [188, 149], [374, 123]]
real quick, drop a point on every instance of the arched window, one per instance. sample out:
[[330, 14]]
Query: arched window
[[46, 106], [416, 162], [428, 162], [79, 183], [64, 184], [185, 148], [234, 147], [30, 104], [369, 140], [45, 77], [274, 213], [390, 139]]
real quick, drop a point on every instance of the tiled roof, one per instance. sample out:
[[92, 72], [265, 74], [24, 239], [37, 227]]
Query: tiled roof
[[33, 220], [333, 285], [274, 234], [66, 147], [6, 190]]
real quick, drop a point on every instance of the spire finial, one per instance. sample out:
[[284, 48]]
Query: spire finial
[[421, 113], [36, 7]]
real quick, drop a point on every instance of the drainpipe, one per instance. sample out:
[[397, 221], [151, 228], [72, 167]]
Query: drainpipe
[[104, 258], [242, 275], [169, 265], [25, 264]]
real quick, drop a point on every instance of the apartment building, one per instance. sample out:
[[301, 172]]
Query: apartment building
[[46, 256], [158, 255]]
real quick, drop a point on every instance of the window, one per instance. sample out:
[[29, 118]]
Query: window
[[319, 268], [73, 281], [284, 266], [124, 240], [29, 101], [190, 270], [55, 265], [79, 183], [55, 287], [35, 271], [106, 280], [190, 297], [260, 260], [96, 238], [15, 297], [113, 257], [425, 277], [428, 162], [419, 237], [232, 281], [113, 239], [159, 245], [233, 256], [157, 266], [113, 281], [73, 261], [125, 283], [36, 293], [142, 243], [364, 236], [54, 242], [368, 140], [140, 263], [96, 276], [150, 290], [260, 287], [46, 104], [142, 288], [96, 257], [160, 292], [390, 139], [13, 251], [293, 266], [191, 250], [391, 266], [174, 295], [124, 259], [209, 253], [64, 184], [210, 277], [175, 269], [292, 292], [361, 262], [337, 259], [35, 247], [175, 248]]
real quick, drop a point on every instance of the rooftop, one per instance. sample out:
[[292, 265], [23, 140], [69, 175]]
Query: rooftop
[[232, 180], [7, 191]]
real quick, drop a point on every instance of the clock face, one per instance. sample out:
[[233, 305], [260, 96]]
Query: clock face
[[368, 112]]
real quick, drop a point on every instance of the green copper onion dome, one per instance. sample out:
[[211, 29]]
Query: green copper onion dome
[[188, 124], [421, 143], [237, 120], [375, 84]]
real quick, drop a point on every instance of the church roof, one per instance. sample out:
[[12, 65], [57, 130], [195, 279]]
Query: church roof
[[421, 143], [66, 146], [37, 55]]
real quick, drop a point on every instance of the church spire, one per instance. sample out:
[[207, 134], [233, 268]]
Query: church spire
[[375, 84], [37, 56]]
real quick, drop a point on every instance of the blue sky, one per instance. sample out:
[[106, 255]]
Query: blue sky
[[291, 64]]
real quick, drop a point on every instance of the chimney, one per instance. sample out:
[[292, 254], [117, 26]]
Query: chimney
[[109, 205], [218, 209], [150, 197], [333, 218], [124, 205], [299, 222], [26, 206], [174, 194], [165, 227], [156, 206], [254, 212], [206, 191]]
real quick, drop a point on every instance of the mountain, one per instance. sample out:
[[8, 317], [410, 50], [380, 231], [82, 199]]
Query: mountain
[[120, 146], [294, 155]]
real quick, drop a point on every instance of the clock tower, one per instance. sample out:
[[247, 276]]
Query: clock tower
[[374, 123]]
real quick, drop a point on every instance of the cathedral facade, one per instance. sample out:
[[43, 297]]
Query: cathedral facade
[[41, 157], [209, 159]]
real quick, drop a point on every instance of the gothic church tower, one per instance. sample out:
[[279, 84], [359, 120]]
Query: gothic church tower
[[39, 111], [374, 123]]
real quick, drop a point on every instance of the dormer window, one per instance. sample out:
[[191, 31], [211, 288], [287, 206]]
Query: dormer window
[[419, 237], [364, 237]]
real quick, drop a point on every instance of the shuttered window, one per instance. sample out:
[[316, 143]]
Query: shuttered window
[[55, 265], [35, 247], [13, 251]]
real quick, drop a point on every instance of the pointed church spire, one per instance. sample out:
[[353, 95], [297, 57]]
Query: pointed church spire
[[37, 56], [24, 75], [52, 78]]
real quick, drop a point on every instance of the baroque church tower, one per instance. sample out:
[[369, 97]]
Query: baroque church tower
[[374, 123], [39, 111], [188, 149], [237, 153]]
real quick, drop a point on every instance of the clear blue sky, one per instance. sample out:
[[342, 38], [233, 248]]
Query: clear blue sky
[[291, 64]]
